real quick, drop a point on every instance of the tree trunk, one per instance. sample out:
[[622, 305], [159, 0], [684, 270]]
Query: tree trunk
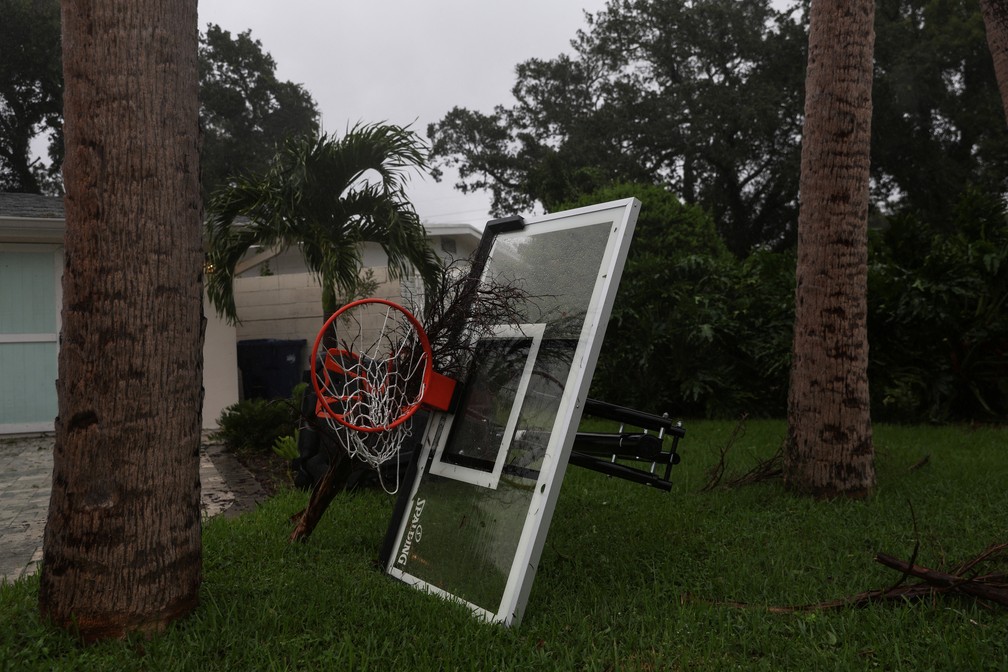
[[995, 15], [829, 449], [122, 549]]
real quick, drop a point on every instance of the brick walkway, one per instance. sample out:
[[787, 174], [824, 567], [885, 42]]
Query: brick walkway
[[25, 482]]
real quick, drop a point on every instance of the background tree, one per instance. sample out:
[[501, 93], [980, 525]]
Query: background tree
[[31, 93], [937, 323], [702, 97], [319, 194], [939, 132], [122, 549], [829, 450], [245, 111]]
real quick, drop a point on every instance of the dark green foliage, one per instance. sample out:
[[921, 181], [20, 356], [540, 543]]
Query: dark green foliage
[[938, 320], [706, 98], [245, 111], [31, 93], [254, 425], [694, 331], [938, 126], [699, 333]]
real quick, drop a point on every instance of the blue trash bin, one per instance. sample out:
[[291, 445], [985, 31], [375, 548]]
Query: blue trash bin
[[270, 367]]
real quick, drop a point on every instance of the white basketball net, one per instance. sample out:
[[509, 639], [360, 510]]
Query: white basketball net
[[370, 367]]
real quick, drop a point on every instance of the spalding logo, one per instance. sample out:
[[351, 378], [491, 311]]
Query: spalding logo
[[414, 534]]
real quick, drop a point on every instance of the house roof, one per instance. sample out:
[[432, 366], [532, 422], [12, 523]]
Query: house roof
[[30, 206], [30, 215], [453, 229], [30, 218]]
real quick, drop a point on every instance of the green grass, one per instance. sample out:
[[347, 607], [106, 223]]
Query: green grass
[[630, 579]]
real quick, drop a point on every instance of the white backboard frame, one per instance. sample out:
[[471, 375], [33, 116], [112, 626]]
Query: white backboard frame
[[404, 560]]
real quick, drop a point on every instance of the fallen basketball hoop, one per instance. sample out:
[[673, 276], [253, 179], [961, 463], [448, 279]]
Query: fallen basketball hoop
[[472, 518], [487, 465]]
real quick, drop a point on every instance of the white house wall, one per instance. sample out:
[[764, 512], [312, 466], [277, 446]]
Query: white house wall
[[289, 306], [286, 304], [28, 360], [220, 368]]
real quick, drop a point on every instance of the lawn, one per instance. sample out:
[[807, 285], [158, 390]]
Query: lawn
[[630, 578]]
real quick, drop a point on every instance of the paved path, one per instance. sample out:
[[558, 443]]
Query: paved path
[[25, 482]]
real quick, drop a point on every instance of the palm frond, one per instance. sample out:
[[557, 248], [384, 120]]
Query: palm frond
[[319, 194]]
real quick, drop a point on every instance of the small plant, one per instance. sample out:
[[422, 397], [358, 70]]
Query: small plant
[[287, 446]]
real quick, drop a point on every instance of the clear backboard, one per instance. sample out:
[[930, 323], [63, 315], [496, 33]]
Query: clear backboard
[[471, 524]]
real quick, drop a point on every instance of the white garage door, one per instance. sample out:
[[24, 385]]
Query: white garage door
[[29, 336]]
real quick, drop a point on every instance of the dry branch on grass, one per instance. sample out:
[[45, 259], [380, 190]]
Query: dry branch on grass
[[717, 472], [963, 580], [771, 467]]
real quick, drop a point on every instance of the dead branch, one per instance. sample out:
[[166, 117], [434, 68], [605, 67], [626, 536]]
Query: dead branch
[[716, 472], [992, 587], [985, 587], [772, 467], [466, 308], [990, 553]]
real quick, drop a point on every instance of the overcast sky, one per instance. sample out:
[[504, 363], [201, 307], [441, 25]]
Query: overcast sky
[[406, 62]]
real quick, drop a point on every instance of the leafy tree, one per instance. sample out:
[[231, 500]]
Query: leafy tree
[[694, 331], [938, 129], [703, 97], [122, 549], [937, 319], [829, 450], [245, 111], [316, 195], [31, 92]]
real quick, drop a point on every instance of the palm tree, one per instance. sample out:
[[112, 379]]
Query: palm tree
[[123, 550], [829, 450], [321, 195], [995, 14]]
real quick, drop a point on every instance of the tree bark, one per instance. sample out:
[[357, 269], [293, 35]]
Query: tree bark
[[122, 549], [829, 449], [995, 15]]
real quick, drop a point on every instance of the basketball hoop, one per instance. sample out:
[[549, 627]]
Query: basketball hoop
[[372, 370]]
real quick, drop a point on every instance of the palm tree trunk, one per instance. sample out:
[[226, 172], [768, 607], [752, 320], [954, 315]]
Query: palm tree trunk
[[328, 300], [122, 549], [829, 449], [995, 14]]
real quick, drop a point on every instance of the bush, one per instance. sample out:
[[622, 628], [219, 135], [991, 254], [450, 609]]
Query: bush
[[699, 333], [694, 331], [938, 323], [254, 425]]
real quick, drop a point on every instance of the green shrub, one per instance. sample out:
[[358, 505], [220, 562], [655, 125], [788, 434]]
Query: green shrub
[[938, 317], [698, 333], [257, 424], [286, 446], [694, 331]]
